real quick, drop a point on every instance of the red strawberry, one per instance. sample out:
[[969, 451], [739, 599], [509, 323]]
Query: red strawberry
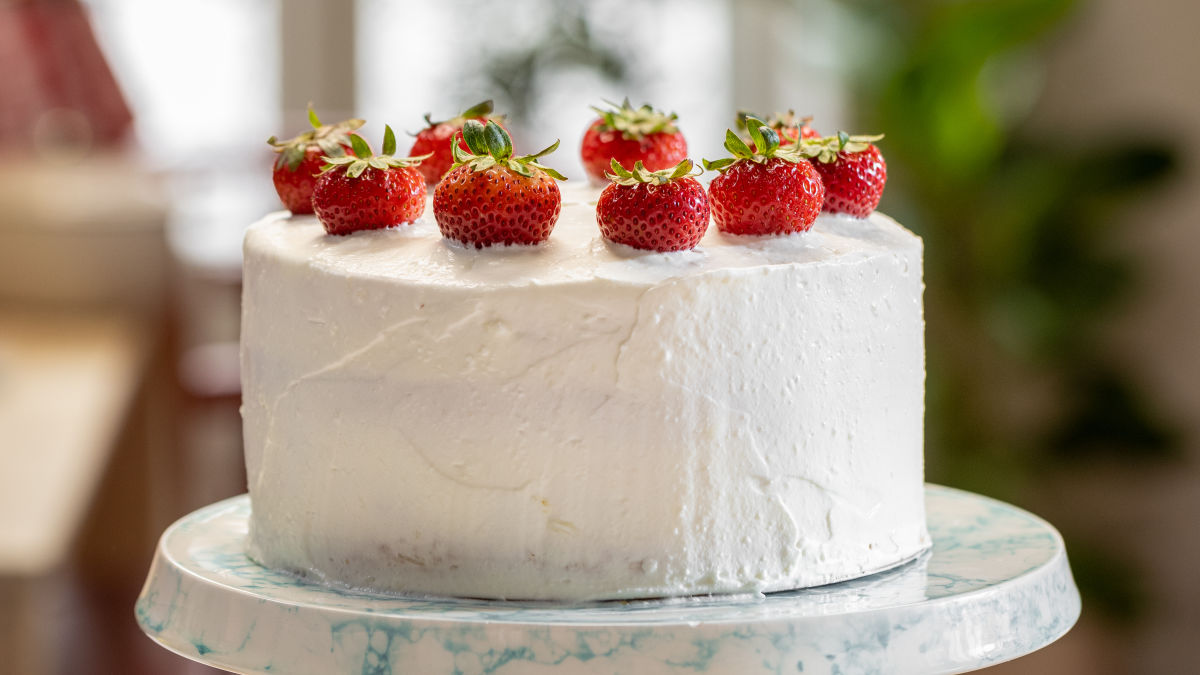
[[301, 158], [627, 135], [775, 191], [655, 210], [853, 171], [435, 140], [370, 191], [490, 197], [789, 127]]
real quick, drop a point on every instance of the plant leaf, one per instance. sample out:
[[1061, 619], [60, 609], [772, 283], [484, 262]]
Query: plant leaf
[[682, 169], [770, 141], [498, 142], [546, 150], [522, 168], [460, 156], [360, 145], [735, 145], [754, 127], [389, 140], [719, 164], [552, 173], [312, 117], [618, 170], [481, 109], [473, 134]]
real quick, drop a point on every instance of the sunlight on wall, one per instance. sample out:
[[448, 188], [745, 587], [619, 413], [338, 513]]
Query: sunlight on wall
[[423, 58], [201, 77]]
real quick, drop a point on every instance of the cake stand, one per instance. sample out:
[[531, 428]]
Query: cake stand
[[995, 586]]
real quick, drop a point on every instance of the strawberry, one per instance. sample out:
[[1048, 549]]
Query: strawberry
[[370, 191], [772, 191], [789, 127], [435, 139], [490, 197], [852, 170], [301, 158], [654, 210], [627, 135]]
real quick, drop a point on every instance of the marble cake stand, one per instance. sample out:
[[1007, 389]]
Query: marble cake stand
[[995, 586]]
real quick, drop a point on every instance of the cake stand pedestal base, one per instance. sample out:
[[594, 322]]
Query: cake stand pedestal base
[[995, 586]]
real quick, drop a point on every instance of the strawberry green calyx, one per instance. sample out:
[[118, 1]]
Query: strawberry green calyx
[[330, 138], [640, 174], [483, 109], [827, 149], [366, 159], [636, 123], [490, 145], [777, 121], [766, 146]]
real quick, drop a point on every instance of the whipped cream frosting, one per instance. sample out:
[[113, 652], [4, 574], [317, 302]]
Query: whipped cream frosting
[[582, 420]]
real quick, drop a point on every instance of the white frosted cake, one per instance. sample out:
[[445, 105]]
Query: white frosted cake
[[581, 420]]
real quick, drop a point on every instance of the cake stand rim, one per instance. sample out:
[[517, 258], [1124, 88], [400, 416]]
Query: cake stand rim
[[220, 506], [1053, 568]]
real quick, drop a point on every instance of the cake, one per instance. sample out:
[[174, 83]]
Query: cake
[[580, 420]]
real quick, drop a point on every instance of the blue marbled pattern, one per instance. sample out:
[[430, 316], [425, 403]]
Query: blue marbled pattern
[[995, 586]]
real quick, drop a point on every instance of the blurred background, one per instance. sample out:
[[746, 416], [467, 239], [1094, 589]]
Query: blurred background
[[1043, 149]]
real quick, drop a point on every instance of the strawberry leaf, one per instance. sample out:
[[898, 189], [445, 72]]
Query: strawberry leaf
[[636, 123], [640, 174], [682, 169], [545, 151], [490, 145], [770, 141], [482, 109], [389, 140], [329, 139], [736, 146], [827, 149], [460, 156], [360, 145], [519, 167], [499, 143], [720, 164], [754, 127], [553, 173], [618, 171], [364, 159], [473, 134]]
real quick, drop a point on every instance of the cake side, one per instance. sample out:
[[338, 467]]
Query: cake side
[[578, 421]]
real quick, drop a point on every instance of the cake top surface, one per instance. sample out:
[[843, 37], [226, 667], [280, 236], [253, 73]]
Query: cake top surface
[[575, 252]]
